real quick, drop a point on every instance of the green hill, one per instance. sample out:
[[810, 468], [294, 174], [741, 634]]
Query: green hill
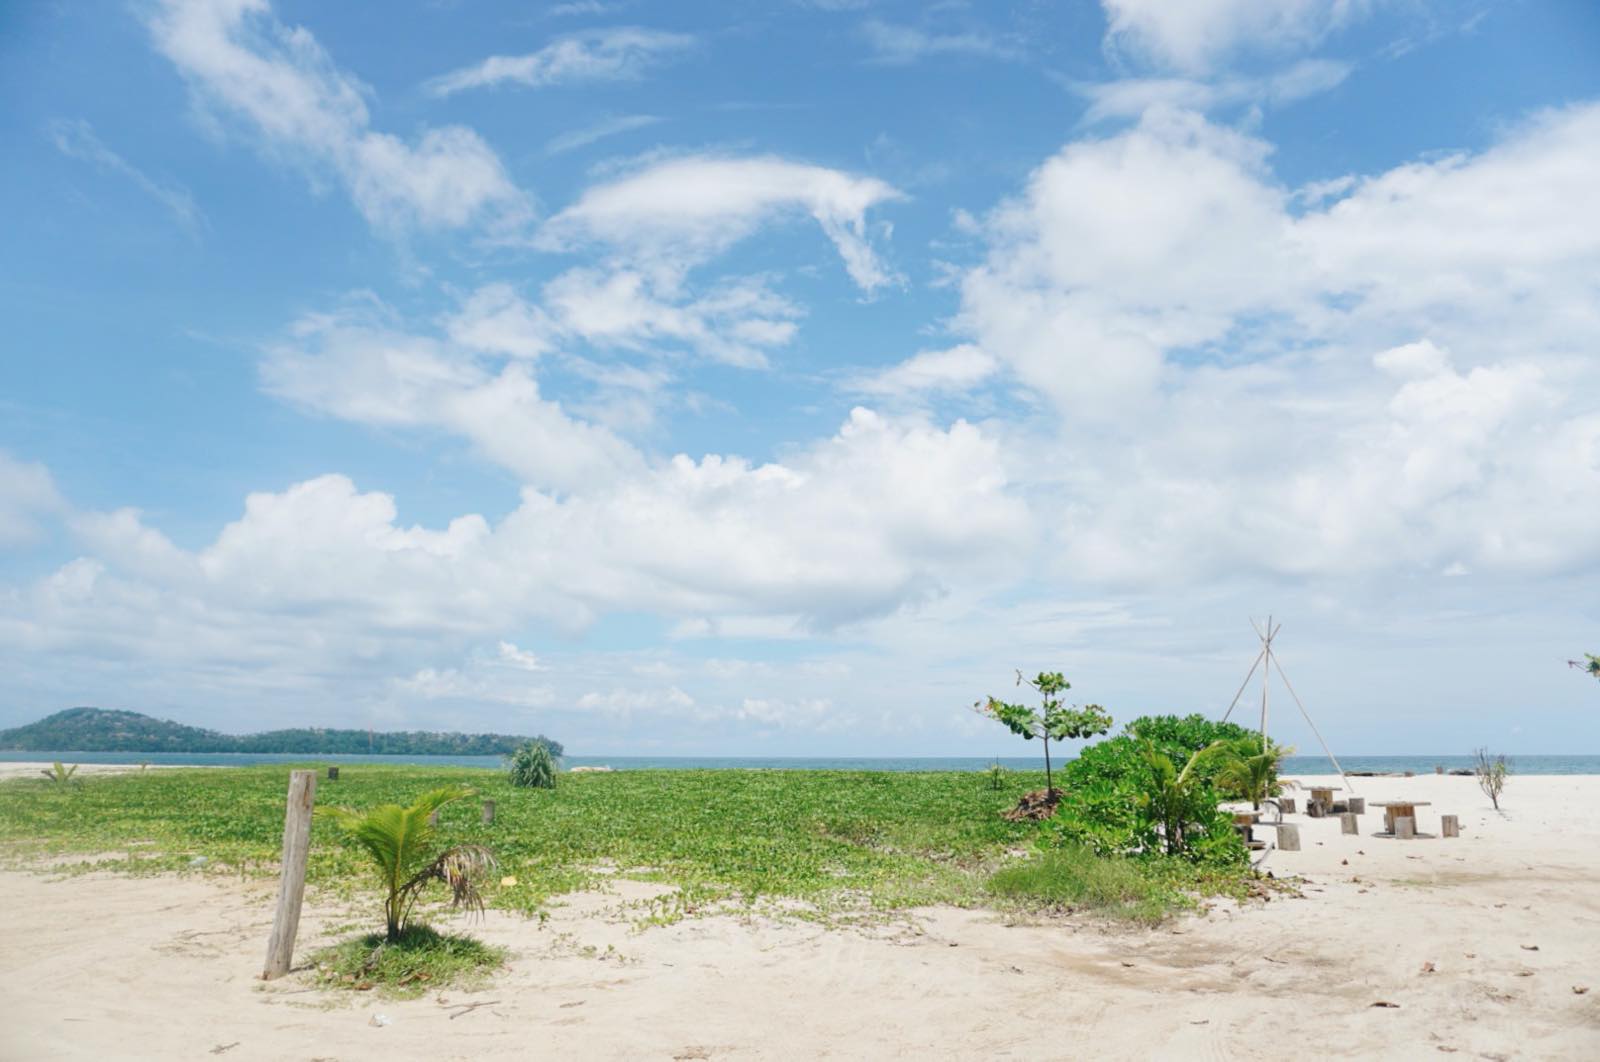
[[110, 730]]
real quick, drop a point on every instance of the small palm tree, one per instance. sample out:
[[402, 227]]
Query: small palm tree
[[531, 765], [1171, 795], [401, 841], [1248, 767], [58, 774]]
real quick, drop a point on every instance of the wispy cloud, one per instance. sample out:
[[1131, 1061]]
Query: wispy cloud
[[76, 138], [578, 138], [1131, 97], [618, 54], [892, 43], [239, 59]]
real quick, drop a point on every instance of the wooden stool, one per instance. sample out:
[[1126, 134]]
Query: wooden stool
[[1349, 824], [1449, 826], [1358, 805], [1288, 838], [1405, 828]]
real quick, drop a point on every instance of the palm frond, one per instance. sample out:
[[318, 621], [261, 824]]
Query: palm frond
[[462, 868]]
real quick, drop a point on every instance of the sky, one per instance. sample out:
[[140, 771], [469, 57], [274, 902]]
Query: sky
[[781, 378]]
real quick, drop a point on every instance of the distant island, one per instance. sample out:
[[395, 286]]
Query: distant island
[[110, 730]]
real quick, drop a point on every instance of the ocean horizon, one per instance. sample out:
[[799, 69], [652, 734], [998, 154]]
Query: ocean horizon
[[1418, 764]]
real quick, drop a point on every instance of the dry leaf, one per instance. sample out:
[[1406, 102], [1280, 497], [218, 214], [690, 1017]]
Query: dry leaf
[[1579, 990], [1530, 947]]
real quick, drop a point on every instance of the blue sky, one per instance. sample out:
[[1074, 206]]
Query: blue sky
[[697, 379]]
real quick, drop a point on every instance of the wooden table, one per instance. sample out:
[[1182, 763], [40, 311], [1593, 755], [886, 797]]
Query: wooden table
[[1323, 794], [1400, 809]]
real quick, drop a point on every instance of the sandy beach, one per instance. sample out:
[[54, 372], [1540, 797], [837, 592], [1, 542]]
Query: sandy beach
[[1481, 946]]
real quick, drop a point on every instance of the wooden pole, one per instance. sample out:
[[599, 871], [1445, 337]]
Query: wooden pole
[[333, 774], [488, 812], [292, 884], [1266, 652]]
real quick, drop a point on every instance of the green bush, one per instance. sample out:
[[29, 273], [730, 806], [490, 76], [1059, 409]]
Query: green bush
[[1145, 791], [531, 766]]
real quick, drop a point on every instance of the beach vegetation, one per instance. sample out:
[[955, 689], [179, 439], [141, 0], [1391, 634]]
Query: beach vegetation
[[402, 843], [1247, 767], [59, 774], [1590, 664], [1491, 772], [419, 959], [1156, 788], [1054, 719], [1075, 879], [997, 776], [531, 766]]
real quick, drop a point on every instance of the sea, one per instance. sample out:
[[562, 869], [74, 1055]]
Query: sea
[[1292, 765]]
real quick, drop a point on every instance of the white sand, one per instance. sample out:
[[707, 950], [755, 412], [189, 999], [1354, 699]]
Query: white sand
[[29, 769], [100, 966]]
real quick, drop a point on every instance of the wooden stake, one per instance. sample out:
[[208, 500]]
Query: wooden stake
[[292, 884], [333, 774], [488, 812], [1449, 826]]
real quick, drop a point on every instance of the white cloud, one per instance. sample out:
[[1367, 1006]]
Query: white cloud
[[618, 54], [239, 59], [578, 138], [957, 369], [357, 367], [1132, 97], [893, 43], [1388, 375], [1196, 34], [78, 140], [677, 213], [28, 496]]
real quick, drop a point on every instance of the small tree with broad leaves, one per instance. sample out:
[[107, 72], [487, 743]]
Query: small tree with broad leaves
[[1052, 720], [1591, 664]]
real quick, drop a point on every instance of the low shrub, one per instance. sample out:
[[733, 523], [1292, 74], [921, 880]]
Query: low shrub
[[1074, 878], [532, 766]]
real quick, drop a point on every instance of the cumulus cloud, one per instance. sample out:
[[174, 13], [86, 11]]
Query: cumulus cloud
[[1385, 375], [679, 212], [1195, 35], [618, 54], [239, 60]]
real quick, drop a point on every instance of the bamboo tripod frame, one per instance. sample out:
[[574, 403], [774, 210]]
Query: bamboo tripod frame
[[1267, 661]]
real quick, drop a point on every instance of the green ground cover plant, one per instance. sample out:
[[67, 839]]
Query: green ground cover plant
[[832, 839]]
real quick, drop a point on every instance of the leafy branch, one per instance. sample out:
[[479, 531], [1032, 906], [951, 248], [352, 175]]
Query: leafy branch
[[1052, 720]]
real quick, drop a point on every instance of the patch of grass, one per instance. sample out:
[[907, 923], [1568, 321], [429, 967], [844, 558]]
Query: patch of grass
[[1075, 879], [421, 960], [839, 841]]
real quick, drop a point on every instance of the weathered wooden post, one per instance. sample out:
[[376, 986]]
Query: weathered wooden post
[[292, 883], [1286, 805], [1449, 826], [333, 774], [1348, 823], [1288, 838], [1357, 805], [433, 819], [1405, 827], [488, 812]]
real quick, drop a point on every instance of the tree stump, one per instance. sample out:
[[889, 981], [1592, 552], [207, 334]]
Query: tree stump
[[1405, 828], [1348, 823], [1449, 826], [1286, 804], [333, 774], [1357, 805], [488, 812], [1288, 838]]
